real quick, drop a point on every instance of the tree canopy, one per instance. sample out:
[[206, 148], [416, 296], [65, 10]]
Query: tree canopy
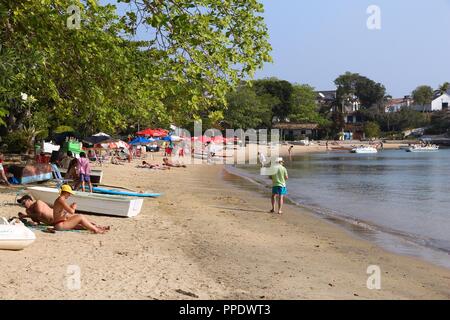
[[96, 78], [423, 95], [368, 92]]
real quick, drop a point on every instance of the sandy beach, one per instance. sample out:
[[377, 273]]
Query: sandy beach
[[209, 236]]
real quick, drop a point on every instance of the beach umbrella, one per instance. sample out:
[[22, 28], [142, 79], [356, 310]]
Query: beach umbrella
[[172, 138], [141, 140], [153, 132], [219, 139], [114, 145], [202, 139]]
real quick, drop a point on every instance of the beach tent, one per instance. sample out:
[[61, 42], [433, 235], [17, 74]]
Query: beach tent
[[141, 141], [98, 138], [113, 145]]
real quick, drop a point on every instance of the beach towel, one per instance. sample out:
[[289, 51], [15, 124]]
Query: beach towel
[[47, 229]]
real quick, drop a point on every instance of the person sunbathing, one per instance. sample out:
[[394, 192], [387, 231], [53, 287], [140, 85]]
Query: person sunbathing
[[116, 160], [145, 164], [38, 211], [64, 217], [168, 163]]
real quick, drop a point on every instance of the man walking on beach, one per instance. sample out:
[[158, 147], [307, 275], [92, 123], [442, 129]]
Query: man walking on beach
[[279, 185]]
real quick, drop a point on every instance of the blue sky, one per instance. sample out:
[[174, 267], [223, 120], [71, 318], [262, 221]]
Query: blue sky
[[314, 41]]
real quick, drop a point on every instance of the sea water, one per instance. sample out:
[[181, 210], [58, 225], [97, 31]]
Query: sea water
[[398, 199]]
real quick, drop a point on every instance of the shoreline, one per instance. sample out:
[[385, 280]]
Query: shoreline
[[214, 240], [390, 240]]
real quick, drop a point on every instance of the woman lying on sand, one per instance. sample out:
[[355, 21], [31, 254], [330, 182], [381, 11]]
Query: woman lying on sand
[[168, 163], [145, 164], [40, 213]]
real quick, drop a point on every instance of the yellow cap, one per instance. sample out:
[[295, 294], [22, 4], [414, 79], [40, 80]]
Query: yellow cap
[[66, 188]]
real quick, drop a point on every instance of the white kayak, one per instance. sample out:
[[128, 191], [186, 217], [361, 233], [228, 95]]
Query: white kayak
[[15, 235]]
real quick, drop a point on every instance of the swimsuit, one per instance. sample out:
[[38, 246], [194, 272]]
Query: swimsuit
[[58, 222]]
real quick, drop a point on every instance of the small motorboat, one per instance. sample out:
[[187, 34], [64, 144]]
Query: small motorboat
[[364, 149], [14, 235], [103, 204], [419, 148]]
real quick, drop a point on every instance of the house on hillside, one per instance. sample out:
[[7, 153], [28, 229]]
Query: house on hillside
[[397, 104], [440, 102], [327, 98], [354, 123]]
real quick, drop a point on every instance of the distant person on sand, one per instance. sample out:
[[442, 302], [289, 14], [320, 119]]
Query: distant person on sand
[[145, 164], [262, 159], [290, 151], [2, 171], [168, 163], [65, 161], [72, 172], [64, 216], [84, 170], [279, 185], [38, 211]]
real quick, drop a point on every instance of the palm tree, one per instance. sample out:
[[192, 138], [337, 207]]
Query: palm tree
[[444, 87]]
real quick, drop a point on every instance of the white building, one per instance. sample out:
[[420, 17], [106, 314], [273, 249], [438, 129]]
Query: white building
[[440, 102]]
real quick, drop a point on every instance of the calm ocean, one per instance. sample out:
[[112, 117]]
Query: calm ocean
[[398, 199]]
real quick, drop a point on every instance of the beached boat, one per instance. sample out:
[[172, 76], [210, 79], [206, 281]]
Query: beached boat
[[31, 173], [104, 204], [418, 148], [14, 235], [96, 175], [364, 149]]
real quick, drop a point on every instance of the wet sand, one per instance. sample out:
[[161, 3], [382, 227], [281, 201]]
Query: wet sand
[[210, 238]]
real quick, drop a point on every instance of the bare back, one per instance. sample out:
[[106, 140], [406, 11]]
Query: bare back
[[40, 212]]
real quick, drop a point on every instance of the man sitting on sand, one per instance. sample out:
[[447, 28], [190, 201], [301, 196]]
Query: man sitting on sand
[[168, 163], [38, 211], [279, 185], [64, 216]]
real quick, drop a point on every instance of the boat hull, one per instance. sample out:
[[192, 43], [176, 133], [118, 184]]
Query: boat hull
[[365, 151], [415, 150], [110, 205], [15, 236]]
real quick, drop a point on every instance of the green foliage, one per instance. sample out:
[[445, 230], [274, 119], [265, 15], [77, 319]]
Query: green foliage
[[423, 95], [95, 79], [372, 130], [398, 121], [351, 85], [282, 90], [304, 107], [444, 87], [440, 123], [248, 110], [16, 142]]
